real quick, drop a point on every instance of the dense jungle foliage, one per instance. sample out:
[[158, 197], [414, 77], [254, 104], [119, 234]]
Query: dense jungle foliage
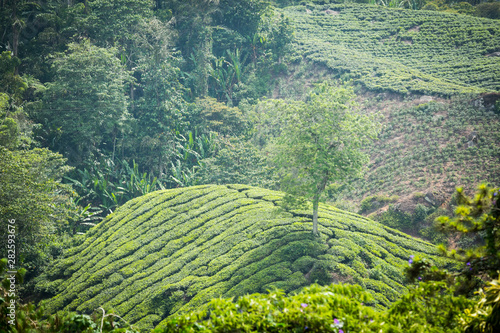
[[378, 108]]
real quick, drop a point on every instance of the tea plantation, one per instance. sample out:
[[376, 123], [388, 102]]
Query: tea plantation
[[403, 51], [172, 251], [432, 146]]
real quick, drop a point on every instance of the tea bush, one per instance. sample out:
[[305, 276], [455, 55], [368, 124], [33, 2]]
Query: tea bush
[[403, 51], [171, 252]]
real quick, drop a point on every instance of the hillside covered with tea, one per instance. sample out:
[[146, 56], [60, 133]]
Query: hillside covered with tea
[[401, 51], [433, 77], [173, 251]]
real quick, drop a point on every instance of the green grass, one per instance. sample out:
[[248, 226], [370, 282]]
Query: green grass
[[399, 50], [172, 251]]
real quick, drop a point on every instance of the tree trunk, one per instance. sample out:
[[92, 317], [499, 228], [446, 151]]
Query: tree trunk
[[114, 147], [132, 104], [319, 190], [15, 36], [315, 213], [15, 40], [204, 64]]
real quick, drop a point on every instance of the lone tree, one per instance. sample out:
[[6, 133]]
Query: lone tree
[[321, 142]]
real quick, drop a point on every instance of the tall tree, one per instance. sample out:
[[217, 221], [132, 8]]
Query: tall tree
[[48, 30], [15, 15], [159, 108], [111, 21], [34, 200], [242, 16], [84, 110], [160, 113], [193, 20], [321, 142]]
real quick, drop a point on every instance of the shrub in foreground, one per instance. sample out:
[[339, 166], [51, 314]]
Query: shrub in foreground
[[334, 308], [427, 307]]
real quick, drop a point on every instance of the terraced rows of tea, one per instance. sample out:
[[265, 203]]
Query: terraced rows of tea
[[434, 145], [174, 250], [401, 50]]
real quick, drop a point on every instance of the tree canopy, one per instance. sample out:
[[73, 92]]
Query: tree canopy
[[85, 107], [322, 141]]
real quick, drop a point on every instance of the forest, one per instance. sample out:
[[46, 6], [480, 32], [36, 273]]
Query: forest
[[249, 166]]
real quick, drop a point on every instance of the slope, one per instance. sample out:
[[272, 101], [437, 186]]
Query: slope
[[398, 50], [172, 251], [432, 146], [429, 144]]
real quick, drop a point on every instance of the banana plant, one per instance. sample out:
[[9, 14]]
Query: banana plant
[[108, 185], [191, 152], [236, 63], [222, 78], [226, 73], [183, 176], [85, 218], [256, 42], [135, 184], [206, 145]]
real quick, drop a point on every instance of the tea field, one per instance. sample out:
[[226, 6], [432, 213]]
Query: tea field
[[398, 50], [432, 145], [172, 251]]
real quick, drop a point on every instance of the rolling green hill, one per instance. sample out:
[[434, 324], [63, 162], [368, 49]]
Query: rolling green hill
[[398, 50], [172, 251]]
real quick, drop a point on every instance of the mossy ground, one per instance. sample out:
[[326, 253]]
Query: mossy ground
[[172, 251]]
